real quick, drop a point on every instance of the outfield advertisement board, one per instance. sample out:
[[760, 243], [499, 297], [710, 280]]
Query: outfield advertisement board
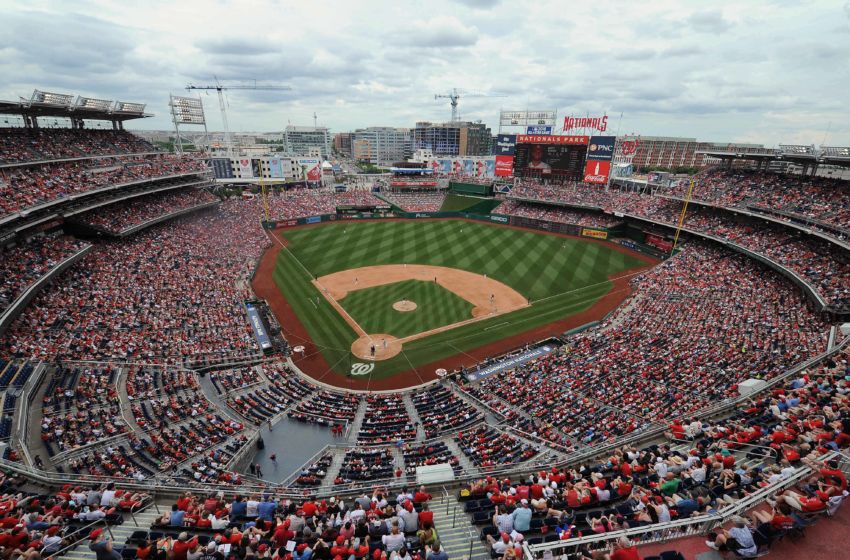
[[595, 233], [504, 166], [506, 144]]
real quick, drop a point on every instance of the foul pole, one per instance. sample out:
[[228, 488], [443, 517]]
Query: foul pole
[[682, 215]]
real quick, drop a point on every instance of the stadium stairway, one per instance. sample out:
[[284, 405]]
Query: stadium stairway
[[456, 540], [120, 533], [414, 416]]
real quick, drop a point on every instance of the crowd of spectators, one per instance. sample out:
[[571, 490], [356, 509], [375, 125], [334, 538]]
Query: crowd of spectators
[[694, 327], [262, 526], [555, 214], [419, 201], [120, 216], [442, 411], [326, 408], [704, 468], [385, 420], [487, 447], [36, 144], [807, 198], [25, 187], [23, 264], [300, 203], [172, 293]]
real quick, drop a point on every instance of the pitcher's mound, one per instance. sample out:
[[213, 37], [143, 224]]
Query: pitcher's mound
[[404, 305], [376, 347]]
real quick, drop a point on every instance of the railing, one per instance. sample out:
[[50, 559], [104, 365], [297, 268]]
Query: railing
[[22, 419]]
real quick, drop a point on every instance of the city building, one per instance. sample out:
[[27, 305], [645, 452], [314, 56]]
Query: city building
[[453, 138], [342, 143], [307, 141], [381, 145]]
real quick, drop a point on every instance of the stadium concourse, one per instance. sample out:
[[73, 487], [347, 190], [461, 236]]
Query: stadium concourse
[[141, 414]]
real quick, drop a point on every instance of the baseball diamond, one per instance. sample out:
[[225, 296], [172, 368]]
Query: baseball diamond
[[333, 287]]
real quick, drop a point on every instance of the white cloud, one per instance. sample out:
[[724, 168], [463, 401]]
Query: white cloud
[[761, 70]]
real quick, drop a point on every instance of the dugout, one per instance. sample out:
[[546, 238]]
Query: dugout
[[473, 189]]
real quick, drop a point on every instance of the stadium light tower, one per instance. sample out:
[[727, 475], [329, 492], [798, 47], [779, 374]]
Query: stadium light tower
[[228, 142], [455, 94]]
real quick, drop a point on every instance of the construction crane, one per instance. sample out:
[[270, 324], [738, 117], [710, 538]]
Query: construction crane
[[455, 94], [228, 142]]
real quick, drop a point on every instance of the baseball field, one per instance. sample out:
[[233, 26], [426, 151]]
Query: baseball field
[[383, 304]]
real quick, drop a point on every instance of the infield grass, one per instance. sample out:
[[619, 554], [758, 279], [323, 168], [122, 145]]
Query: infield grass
[[436, 306], [560, 276]]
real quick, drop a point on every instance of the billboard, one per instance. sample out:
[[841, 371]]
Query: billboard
[[596, 172], [504, 166], [445, 166], [549, 159], [601, 148], [222, 168], [311, 167], [595, 233], [538, 129], [246, 170], [257, 167], [489, 168], [526, 118], [275, 167], [506, 144], [468, 167]]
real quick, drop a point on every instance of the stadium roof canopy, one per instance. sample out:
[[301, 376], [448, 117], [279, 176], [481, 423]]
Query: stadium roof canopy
[[46, 104], [801, 155]]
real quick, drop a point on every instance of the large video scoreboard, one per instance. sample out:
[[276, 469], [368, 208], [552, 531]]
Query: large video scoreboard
[[548, 156]]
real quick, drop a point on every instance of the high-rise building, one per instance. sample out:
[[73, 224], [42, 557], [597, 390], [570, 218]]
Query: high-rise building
[[453, 138], [381, 145], [342, 143], [306, 141]]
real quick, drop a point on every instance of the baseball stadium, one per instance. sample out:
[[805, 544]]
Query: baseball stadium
[[513, 335]]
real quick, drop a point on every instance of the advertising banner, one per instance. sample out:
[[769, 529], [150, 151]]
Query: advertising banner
[[257, 325], [601, 148], [489, 168], [596, 172], [595, 233], [311, 167], [538, 129], [445, 166], [275, 167], [505, 144], [222, 168], [504, 166], [509, 363], [257, 167], [468, 167], [246, 170]]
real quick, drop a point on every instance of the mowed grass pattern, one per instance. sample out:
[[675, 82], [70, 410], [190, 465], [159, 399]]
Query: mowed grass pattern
[[372, 308], [561, 277]]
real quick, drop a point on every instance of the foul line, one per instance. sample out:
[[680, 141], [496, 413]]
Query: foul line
[[497, 326]]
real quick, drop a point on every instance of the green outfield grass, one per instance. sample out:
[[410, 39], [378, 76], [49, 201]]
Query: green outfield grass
[[372, 308], [461, 203], [560, 276]]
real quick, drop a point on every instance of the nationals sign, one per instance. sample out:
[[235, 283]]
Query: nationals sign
[[547, 139], [629, 147], [596, 172], [596, 123]]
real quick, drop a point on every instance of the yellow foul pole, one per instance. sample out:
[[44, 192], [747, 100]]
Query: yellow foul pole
[[682, 215]]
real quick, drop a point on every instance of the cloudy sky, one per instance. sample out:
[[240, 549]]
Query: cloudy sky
[[749, 70]]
